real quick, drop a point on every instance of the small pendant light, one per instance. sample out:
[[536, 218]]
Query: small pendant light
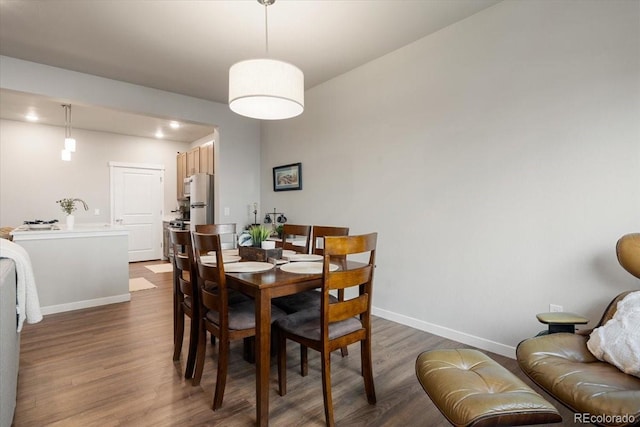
[[69, 142]]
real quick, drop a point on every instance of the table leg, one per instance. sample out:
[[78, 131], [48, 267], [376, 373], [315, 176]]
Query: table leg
[[263, 356]]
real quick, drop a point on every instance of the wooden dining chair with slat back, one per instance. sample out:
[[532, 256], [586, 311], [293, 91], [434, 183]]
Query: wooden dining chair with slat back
[[185, 296], [311, 299], [293, 234], [226, 231], [228, 238], [338, 323], [319, 233], [226, 321]]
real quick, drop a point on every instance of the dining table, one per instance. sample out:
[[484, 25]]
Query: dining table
[[263, 287]]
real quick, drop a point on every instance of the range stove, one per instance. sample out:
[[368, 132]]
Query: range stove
[[179, 223]]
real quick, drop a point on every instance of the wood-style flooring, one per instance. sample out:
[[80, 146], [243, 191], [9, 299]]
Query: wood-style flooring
[[112, 366]]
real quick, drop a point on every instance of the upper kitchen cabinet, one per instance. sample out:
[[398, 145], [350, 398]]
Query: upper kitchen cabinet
[[206, 158], [197, 160], [193, 161]]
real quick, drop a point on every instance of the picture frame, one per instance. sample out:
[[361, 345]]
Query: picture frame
[[287, 177]]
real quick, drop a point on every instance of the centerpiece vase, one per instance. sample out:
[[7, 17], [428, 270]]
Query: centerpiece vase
[[70, 221]]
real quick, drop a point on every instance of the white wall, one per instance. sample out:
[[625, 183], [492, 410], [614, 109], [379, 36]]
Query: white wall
[[33, 177], [239, 138], [498, 159]]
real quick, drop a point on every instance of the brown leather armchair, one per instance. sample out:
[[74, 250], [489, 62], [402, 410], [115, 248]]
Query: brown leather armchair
[[562, 365]]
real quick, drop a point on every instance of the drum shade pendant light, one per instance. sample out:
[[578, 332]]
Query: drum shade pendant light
[[266, 89], [69, 142]]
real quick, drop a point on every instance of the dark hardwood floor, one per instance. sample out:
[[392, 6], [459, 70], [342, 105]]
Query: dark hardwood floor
[[111, 366]]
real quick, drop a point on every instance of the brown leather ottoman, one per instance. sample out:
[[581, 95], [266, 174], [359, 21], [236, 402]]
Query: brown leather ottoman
[[471, 389]]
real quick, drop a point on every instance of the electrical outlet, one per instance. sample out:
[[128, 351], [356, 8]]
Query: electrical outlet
[[554, 308], [226, 211], [96, 211]]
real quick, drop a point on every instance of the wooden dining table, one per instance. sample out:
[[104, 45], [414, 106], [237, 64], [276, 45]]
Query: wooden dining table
[[263, 287]]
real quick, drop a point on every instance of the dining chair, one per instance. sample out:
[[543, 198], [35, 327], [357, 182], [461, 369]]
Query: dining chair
[[228, 238], [320, 232], [185, 296], [228, 230], [311, 299], [226, 321], [291, 233], [338, 323]]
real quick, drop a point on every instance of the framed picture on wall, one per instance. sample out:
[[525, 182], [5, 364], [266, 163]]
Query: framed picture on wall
[[287, 177]]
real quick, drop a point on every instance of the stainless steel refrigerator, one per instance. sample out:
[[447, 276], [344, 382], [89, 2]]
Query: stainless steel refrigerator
[[201, 200]]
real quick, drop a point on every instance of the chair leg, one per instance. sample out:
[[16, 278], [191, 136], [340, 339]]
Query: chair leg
[[367, 370], [304, 360], [200, 353], [213, 339], [178, 333], [344, 350], [193, 348], [221, 378], [282, 364], [326, 388]]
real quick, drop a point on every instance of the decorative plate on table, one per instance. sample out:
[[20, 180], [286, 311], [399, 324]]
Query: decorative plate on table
[[306, 267], [248, 267], [287, 252], [303, 257], [227, 259], [230, 252]]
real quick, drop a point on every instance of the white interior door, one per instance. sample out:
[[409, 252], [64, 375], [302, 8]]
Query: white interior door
[[136, 203]]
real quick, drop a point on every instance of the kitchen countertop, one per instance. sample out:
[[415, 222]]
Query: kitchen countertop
[[60, 231], [79, 268]]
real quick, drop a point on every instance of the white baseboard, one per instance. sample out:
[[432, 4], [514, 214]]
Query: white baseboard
[[77, 305], [452, 334]]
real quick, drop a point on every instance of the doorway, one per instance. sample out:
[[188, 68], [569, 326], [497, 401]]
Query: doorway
[[137, 200]]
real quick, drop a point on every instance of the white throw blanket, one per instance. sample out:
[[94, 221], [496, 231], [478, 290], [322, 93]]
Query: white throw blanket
[[618, 341], [26, 291]]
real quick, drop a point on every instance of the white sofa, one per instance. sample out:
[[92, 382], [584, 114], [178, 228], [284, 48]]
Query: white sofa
[[9, 342]]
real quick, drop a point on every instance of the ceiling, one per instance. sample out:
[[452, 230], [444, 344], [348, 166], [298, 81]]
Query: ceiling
[[187, 47]]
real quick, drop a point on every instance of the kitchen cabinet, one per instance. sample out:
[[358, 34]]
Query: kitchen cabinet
[[193, 161], [197, 160], [206, 158], [182, 173]]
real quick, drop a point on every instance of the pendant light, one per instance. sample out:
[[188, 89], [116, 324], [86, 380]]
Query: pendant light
[[265, 88], [69, 142]]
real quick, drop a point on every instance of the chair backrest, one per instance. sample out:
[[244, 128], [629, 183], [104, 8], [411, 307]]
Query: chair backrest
[[628, 252], [211, 278], [291, 232], [183, 262], [320, 232], [360, 278], [227, 231]]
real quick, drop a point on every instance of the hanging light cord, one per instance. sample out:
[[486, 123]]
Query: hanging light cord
[[266, 28], [67, 120]]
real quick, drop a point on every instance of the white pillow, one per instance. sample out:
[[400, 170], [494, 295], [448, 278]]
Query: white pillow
[[618, 340]]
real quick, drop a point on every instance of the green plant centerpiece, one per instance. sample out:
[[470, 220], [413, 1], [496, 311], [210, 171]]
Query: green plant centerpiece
[[259, 233], [280, 230], [69, 205]]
